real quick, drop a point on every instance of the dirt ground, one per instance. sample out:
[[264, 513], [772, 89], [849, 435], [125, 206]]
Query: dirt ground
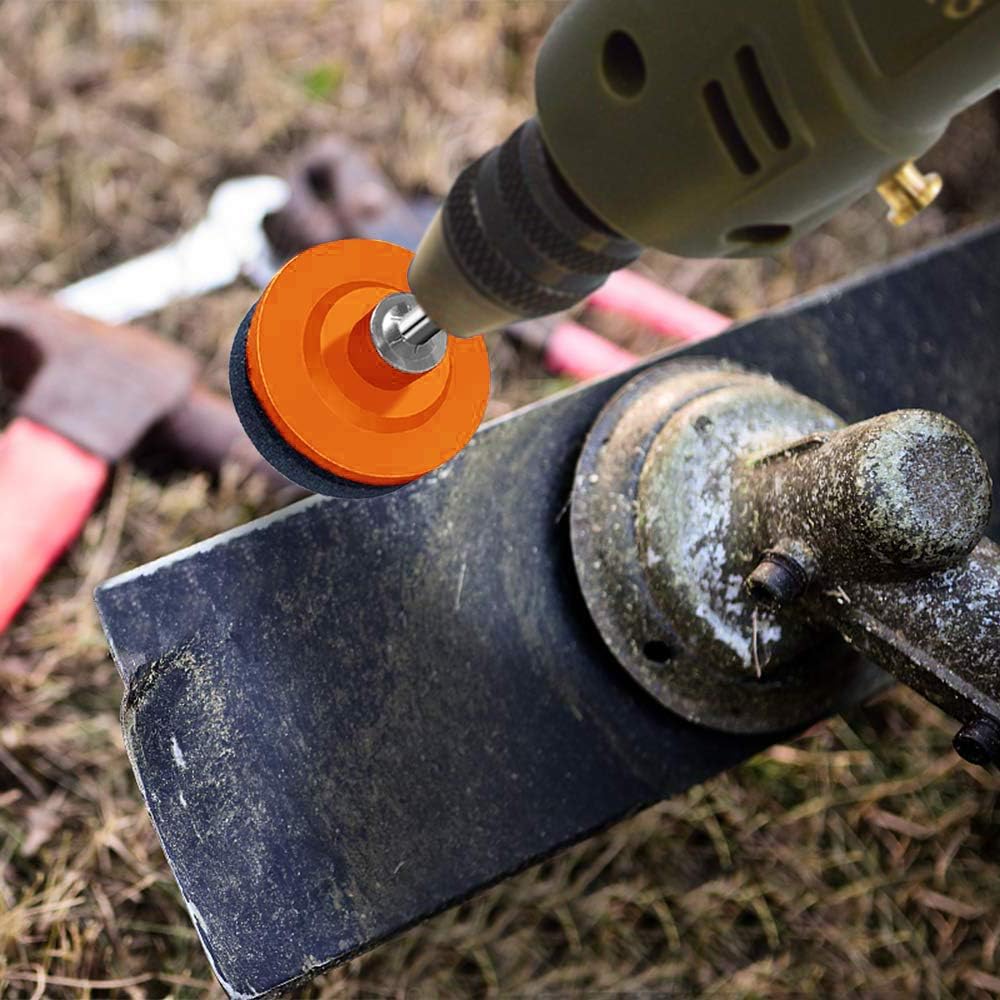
[[860, 859]]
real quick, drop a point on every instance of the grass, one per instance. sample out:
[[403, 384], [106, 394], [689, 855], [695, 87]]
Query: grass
[[861, 859]]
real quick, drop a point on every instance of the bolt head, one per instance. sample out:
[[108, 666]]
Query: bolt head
[[778, 579], [978, 741]]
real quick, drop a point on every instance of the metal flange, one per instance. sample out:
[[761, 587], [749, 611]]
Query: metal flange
[[662, 559]]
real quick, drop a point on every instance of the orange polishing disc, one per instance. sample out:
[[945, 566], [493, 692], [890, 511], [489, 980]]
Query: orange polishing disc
[[316, 374]]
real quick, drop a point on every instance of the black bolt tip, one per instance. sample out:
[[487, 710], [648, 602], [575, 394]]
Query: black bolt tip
[[978, 742], [777, 580]]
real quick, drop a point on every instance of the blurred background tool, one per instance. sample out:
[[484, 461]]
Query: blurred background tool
[[88, 394], [335, 192], [568, 348], [227, 243], [250, 227]]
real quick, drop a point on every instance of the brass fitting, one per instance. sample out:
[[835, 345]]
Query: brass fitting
[[908, 191]]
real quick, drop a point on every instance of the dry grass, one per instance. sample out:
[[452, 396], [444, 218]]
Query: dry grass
[[861, 859]]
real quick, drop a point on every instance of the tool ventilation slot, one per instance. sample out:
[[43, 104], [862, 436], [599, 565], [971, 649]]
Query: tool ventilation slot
[[764, 234], [763, 102], [728, 129]]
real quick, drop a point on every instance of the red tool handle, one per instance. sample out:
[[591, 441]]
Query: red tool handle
[[578, 352], [628, 293], [582, 354], [48, 487]]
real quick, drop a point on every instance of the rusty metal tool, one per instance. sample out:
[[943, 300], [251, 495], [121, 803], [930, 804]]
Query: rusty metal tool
[[227, 243], [349, 716], [88, 393], [251, 225], [723, 524], [336, 192]]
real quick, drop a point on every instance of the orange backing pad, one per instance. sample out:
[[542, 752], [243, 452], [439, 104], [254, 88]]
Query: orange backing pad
[[331, 397]]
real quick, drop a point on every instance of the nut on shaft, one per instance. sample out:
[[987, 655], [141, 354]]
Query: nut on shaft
[[887, 518], [978, 741]]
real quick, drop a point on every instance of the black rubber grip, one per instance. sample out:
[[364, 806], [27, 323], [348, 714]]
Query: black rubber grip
[[474, 247], [520, 235], [549, 220]]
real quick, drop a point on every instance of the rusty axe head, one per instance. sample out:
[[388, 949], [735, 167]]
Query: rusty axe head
[[101, 387], [337, 192]]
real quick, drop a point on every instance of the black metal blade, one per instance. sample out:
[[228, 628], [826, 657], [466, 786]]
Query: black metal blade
[[350, 715]]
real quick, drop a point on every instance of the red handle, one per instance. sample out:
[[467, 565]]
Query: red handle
[[48, 488], [628, 293], [580, 353]]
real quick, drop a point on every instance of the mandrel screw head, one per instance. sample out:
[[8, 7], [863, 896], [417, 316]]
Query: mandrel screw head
[[778, 579]]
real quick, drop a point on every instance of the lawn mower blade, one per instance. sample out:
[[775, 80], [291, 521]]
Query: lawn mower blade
[[350, 715]]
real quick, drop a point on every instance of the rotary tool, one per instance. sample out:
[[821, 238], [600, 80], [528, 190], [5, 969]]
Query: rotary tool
[[708, 129]]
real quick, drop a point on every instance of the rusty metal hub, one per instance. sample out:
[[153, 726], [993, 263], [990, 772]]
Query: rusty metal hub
[[662, 560], [724, 526]]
